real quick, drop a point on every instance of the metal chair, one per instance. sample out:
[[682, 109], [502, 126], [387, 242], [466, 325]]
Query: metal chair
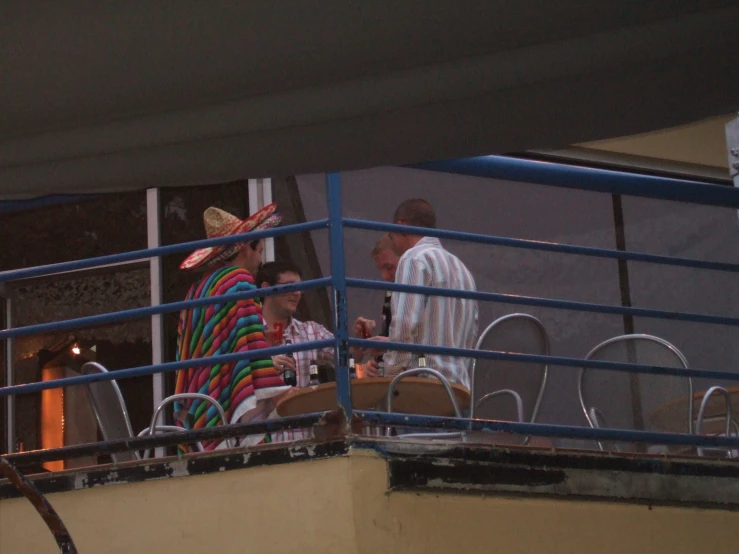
[[455, 435], [730, 426], [624, 400], [230, 443], [110, 410], [521, 382], [162, 429], [112, 415]]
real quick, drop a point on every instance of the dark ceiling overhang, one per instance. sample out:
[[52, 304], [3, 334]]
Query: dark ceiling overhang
[[101, 96]]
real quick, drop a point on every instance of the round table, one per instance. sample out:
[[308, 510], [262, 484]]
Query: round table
[[413, 395]]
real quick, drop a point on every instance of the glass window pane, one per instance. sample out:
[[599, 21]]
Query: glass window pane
[[90, 227], [87, 228]]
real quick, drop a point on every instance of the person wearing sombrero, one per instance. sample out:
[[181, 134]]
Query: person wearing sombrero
[[226, 328]]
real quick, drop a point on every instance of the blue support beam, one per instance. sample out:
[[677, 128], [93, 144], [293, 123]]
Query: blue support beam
[[338, 272], [587, 178]]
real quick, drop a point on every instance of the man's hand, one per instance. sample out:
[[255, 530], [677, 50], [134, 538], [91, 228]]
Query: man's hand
[[379, 350], [368, 369], [363, 327], [282, 362]]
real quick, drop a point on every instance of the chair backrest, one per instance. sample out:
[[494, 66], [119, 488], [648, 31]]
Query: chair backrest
[[630, 400], [110, 410], [515, 333]]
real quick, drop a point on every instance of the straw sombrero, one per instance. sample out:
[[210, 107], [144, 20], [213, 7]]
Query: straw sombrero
[[219, 223]]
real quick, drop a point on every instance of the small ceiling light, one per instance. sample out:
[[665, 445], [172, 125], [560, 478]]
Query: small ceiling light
[[76, 350]]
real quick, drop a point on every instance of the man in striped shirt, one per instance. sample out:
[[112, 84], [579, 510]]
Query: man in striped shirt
[[424, 319]]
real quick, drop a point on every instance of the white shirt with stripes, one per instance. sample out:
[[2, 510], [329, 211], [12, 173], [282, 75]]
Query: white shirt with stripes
[[433, 320]]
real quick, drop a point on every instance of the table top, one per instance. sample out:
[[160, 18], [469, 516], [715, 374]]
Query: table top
[[413, 395], [668, 415]]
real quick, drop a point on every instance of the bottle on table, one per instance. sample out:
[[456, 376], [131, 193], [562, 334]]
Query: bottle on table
[[314, 379], [380, 366], [387, 316], [352, 368], [289, 375], [422, 361]]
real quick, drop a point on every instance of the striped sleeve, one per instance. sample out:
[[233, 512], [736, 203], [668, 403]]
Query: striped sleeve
[[263, 373], [322, 334]]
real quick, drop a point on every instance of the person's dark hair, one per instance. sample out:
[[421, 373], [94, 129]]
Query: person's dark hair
[[417, 212], [253, 245], [270, 272]]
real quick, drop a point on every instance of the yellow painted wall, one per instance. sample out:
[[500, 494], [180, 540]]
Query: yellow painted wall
[[300, 507], [702, 143], [342, 505]]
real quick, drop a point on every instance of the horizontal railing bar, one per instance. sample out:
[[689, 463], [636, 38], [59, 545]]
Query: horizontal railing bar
[[167, 367], [545, 430], [586, 178], [81, 273], [44, 202], [538, 359], [66, 267], [135, 313], [501, 298], [541, 245], [166, 439]]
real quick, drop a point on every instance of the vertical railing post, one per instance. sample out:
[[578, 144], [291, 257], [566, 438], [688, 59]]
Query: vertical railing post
[[338, 273], [9, 379], [154, 239]]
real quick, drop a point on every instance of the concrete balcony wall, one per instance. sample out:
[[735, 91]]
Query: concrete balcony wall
[[344, 505]]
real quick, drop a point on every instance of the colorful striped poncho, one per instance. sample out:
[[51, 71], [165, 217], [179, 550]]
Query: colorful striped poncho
[[223, 329]]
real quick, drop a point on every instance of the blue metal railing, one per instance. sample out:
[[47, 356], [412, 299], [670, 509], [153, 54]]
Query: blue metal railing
[[587, 178], [544, 302], [167, 367], [136, 313], [338, 270], [135, 255], [545, 430], [541, 245], [489, 166], [541, 359], [574, 177]]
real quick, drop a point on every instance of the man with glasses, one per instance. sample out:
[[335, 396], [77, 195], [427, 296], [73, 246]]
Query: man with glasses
[[278, 312]]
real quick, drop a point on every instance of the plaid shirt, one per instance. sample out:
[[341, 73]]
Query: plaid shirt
[[301, 332]]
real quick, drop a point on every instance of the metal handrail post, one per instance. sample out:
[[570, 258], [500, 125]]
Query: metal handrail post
[[338, 272]]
